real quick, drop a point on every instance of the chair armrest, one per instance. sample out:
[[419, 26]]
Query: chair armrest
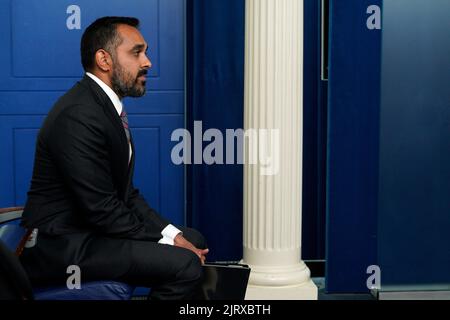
[[9, 214], [8, 210]]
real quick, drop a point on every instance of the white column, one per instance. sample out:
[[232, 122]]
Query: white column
[[273, 100]]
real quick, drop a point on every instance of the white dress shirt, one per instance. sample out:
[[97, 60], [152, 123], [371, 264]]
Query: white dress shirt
[[170, 232]]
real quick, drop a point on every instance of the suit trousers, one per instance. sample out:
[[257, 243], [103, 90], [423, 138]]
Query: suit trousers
[[173, 273]]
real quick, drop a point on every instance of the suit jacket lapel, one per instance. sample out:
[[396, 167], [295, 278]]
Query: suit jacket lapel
[[103, 99], [130, 171]]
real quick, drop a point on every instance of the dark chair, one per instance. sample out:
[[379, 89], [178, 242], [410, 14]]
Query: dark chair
[[11, 234]]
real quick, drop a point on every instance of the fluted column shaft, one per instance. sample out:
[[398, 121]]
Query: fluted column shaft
[[273, 102]]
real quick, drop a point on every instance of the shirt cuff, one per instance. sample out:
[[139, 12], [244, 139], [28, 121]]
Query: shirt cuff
[[169, 233]]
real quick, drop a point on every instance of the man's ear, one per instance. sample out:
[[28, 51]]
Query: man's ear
[[103, 60]]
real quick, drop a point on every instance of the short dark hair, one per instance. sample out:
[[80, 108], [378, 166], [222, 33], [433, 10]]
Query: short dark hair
[[102, 34]]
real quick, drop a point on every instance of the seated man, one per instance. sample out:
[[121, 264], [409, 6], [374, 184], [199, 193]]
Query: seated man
[[82, 199]]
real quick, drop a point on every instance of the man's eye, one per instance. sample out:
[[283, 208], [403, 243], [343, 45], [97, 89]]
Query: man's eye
[[136, 53]]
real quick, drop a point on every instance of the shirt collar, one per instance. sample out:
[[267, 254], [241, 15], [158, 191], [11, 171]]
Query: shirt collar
[[109, 92]]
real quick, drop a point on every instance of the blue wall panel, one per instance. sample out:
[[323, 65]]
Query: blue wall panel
[[42, 54], [18, 134], [353, 128], [23, 138], [156, 176], [40, 60], [414, 203]]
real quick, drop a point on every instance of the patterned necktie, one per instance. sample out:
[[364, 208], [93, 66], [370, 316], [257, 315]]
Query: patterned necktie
[[124, 118]]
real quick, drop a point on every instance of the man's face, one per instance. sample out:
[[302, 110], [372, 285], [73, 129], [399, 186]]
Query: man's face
[[130, 63]]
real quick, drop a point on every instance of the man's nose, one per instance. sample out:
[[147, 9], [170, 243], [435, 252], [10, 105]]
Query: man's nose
[[147, 63]]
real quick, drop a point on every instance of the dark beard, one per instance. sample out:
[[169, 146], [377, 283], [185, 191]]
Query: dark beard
[[124, 85]]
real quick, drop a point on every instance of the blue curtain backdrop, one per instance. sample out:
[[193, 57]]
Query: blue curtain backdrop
[[314, 137], [215, 96], [215, 71]]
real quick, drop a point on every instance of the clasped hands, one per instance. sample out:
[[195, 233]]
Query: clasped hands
[[182, 242]]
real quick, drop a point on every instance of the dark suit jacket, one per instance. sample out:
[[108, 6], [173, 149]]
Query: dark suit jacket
[[82, 180]]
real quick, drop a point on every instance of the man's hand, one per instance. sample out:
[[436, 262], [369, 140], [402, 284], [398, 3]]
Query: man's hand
[[181, 242]]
